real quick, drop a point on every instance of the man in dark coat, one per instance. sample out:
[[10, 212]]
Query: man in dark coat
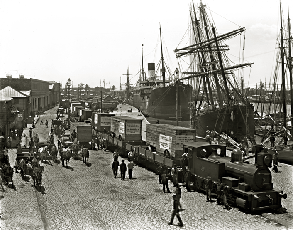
[[115, 165], [164, 180], [209, 186], [272, 140], [175, 211], [123, 169]]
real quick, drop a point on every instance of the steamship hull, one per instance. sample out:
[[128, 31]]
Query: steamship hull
[[237, 121], [160, 103]]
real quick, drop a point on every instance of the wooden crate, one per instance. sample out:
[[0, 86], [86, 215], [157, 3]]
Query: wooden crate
[[168, 137]]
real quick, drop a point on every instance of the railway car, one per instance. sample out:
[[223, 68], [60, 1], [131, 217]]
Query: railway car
[[249, 186]]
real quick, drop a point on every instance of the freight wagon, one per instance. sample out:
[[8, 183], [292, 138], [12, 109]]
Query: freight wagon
[[247, 186]]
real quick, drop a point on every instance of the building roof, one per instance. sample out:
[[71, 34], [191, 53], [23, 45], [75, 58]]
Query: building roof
[[10, 92], [27, 92], [4, 98]]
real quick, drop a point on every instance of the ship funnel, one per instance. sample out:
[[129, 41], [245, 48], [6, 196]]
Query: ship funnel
[[151, 70]]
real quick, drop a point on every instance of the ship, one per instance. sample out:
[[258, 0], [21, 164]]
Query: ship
[[158, 97], [219, 102]]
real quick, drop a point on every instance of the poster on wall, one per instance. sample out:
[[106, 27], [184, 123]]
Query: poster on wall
[[165, 142], [121, 127]]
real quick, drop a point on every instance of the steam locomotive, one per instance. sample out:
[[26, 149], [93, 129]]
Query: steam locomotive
[[249, 186]]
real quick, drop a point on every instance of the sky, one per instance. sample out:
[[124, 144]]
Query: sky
[[91, 41]]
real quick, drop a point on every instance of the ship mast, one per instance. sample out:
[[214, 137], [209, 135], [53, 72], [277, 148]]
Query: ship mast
[[204, 61], [221, 65], [283, 74], [162, 59], [127, 85], [142, 70], [290, 70]]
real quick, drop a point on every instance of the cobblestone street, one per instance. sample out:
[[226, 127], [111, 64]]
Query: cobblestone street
[[89, 197]]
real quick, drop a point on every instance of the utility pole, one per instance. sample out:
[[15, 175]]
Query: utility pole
[[68, 85], [101, 100]]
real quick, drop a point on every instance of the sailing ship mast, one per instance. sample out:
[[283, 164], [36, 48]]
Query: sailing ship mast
[[290, 70], [283, 75], [212, 62]]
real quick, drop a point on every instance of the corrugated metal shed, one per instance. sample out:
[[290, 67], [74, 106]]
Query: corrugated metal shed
[[4, 98], [10, 92]]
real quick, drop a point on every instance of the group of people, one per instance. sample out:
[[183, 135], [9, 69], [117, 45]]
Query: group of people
[[122, 166]]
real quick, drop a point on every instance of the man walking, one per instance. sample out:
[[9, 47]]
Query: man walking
[[175, 211], [130, 168], [123, 170], [115, 165]]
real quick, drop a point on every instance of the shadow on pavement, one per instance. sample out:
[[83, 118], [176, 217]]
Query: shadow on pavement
[[40, 189], [68, 167]]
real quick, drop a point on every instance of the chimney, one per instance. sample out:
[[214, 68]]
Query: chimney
[[9, 76], [21, 76]]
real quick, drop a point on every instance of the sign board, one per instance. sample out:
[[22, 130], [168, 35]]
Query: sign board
[[165, 142], [132, 128], [105, 121], [121, 127], [180, 139]]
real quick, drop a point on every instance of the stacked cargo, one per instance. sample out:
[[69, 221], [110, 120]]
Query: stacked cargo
[[127, 128], [78, 110], [101, 121], [73, 107], [86, 114], [168, 137]]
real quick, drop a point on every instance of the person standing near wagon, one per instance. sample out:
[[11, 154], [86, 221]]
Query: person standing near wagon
[[272, 140], [164, 180], [130, 169], [123, 169], [175, 176], [209, 186]]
